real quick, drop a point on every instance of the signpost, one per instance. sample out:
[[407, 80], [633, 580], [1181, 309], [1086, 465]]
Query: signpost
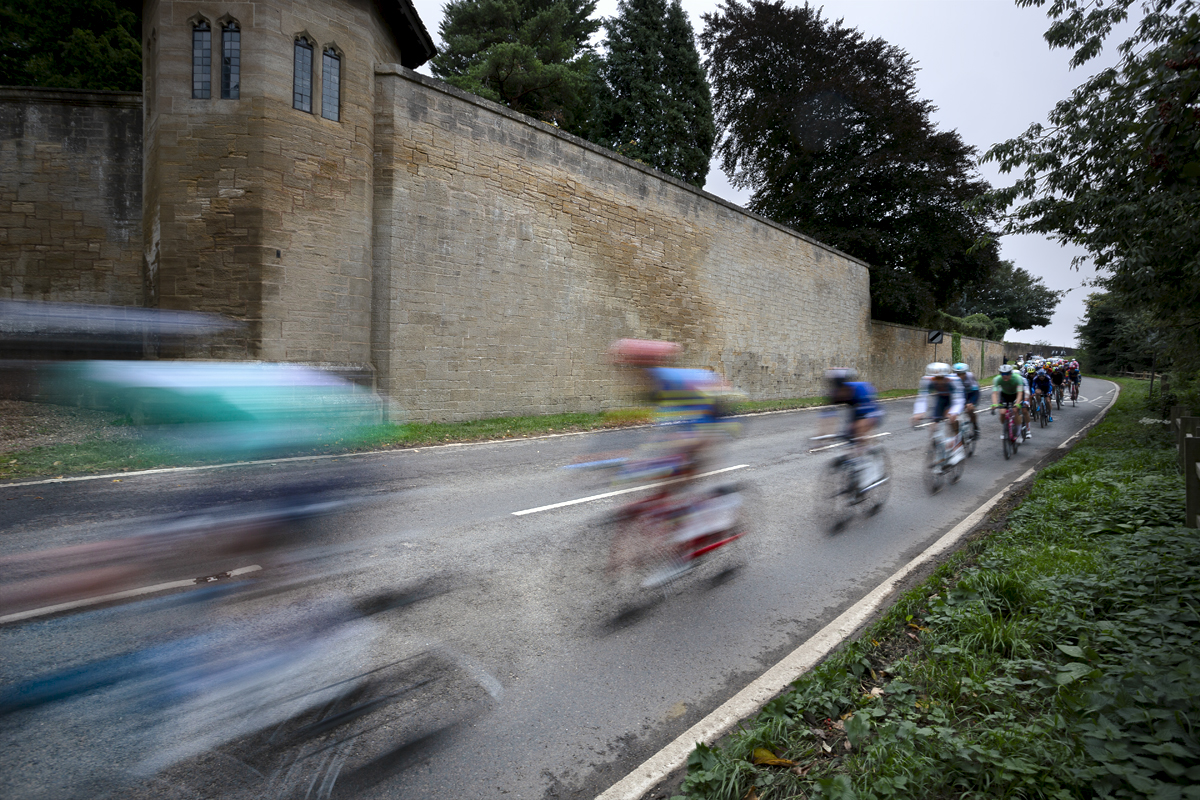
[[934, 338]]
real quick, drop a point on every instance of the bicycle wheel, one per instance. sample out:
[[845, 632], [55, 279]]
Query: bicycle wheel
[[1058, 398], [934, 476], [1043, 414], [642, 561], [968, 434], [1006, 439], [881, 488], [836, 494]]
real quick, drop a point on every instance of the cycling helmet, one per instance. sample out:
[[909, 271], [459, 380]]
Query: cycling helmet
[[643, 352], [840, 376], [1041, 371], [961, 367], [1005, 369], [937, 368]]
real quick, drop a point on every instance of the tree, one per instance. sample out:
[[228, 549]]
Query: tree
[[1114, 337], [82, 44], [655, 102], [530, 55], [1012, 293], [826, 128], [1117, 170]]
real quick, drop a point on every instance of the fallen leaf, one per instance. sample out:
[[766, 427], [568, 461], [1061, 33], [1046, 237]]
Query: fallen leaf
[[913, 636], [826, 747], [847, 744], [116, 480], [764, 757], [877, 692], [802, 771], [752, 794]]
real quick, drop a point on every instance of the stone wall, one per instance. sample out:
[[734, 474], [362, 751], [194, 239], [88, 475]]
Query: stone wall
[[899, 354], [509, 255], [70, 196]]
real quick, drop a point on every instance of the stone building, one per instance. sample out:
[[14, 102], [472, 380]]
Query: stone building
[[259, 135]]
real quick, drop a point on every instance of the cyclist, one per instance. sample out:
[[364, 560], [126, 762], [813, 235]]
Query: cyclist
[[1010, 387], [1058, 377], [1074, 377], [865, 414], [941, 395], [971, 390], [1042, 384]]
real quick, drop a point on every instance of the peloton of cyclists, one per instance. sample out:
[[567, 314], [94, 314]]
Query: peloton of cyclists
[[941, 398]]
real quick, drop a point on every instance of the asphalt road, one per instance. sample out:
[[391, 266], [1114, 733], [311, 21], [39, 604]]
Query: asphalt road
[[588, 693]]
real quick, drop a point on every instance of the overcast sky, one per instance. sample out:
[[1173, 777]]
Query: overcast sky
[[986, 67]]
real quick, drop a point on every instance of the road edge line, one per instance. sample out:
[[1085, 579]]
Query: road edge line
[[751, 699]]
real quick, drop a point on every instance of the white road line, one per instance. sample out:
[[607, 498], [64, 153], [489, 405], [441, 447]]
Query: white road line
[[623, 491], [749, 700], [843, 444], [108, 598]]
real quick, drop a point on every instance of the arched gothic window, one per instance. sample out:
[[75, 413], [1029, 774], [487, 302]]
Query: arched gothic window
[[201, 60], [302, 75], [231, 61], [331, 84]]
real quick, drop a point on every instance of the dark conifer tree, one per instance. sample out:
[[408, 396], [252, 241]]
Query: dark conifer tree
[[826, 128], [530, 55], [655, 104]]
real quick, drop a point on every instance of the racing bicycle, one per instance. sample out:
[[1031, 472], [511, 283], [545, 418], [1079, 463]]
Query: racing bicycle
[[852, 482], [938, 457], [1011, 428]]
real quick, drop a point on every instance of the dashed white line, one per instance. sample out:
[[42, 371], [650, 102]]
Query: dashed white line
[[622, 491]]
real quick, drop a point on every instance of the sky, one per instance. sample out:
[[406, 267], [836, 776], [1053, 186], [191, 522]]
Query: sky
[[986, 67]]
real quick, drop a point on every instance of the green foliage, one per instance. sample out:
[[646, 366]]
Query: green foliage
[[80, 44], [1053, 660], [1116, 338], [530, 55], [825, 127], [1117, 169], [955, 347], [1010, 293], [979, 326], [654, 102]]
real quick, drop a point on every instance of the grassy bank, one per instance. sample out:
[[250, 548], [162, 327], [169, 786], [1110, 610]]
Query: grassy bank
[[1054, 658], [100, 455]]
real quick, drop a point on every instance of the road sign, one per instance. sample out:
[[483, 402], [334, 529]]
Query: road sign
[[935, 337]]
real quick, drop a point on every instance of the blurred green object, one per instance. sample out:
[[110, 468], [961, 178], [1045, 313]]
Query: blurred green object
[[232, 409]]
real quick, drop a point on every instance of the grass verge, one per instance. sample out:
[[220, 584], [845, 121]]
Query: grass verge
[[1055, 658], [97, 456]]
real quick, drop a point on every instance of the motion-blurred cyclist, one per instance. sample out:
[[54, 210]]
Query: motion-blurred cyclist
[[941, 398], [971, 392], [865, 414]]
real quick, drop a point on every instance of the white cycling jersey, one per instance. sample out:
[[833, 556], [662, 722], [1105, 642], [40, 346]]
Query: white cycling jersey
[[957, 396]]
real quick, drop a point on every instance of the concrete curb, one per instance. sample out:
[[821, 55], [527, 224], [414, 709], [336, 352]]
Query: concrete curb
[[748, 701]]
